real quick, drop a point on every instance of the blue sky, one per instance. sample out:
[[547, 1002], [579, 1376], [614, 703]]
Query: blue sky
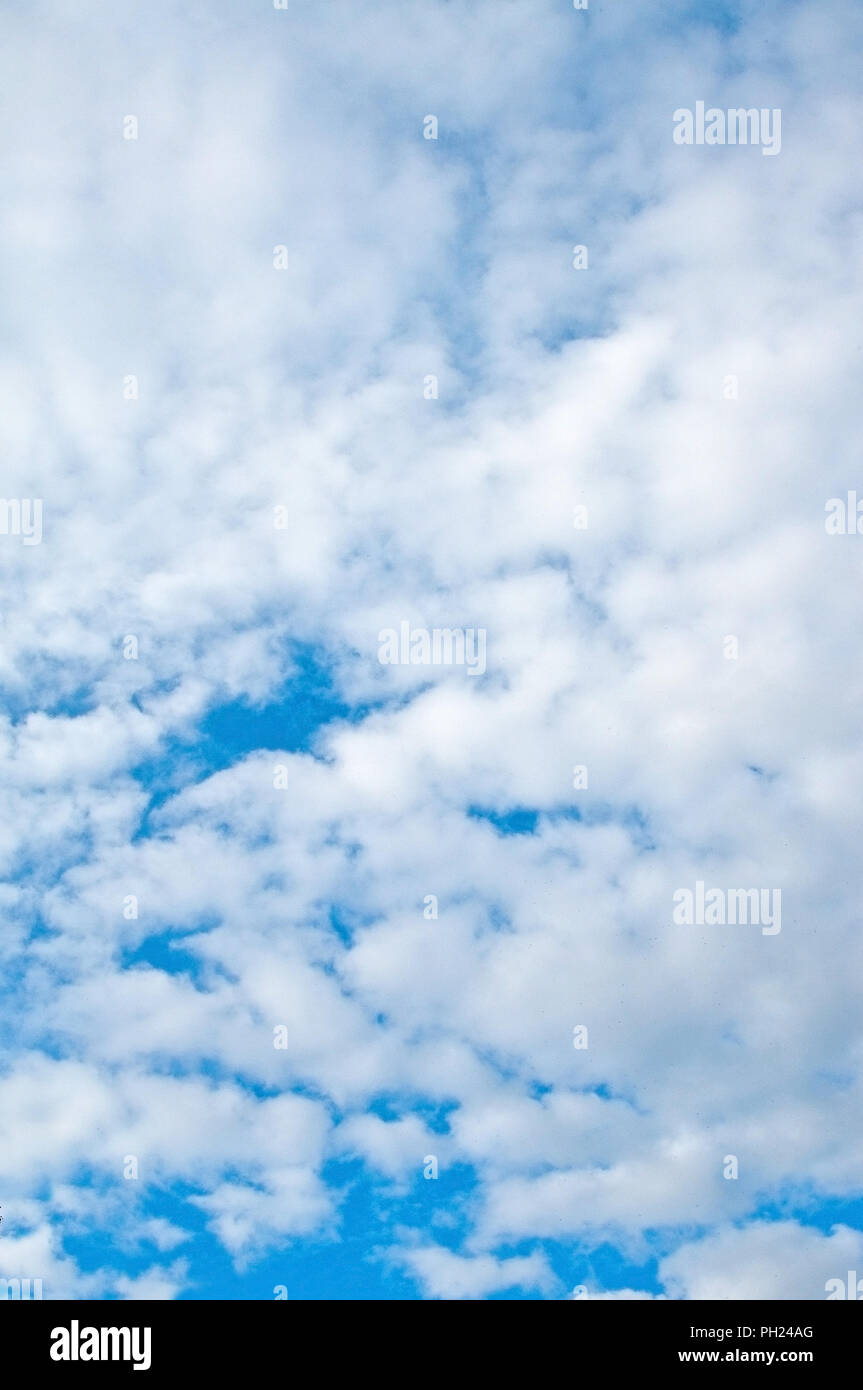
[[287, 376]]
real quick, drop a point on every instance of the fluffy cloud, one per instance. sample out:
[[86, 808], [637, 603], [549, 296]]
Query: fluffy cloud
[[168, 903], [443, 1274], [766, 1259]]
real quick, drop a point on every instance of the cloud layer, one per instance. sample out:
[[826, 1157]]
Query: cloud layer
[[226, 818]]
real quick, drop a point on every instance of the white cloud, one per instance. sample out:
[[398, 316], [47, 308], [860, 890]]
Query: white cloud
[[605, 646], [766, 1259], [443, 1274]]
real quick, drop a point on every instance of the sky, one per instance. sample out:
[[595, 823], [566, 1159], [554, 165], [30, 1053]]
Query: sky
[[328, 976]]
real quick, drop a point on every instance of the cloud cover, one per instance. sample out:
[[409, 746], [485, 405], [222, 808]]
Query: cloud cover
[[167, 904]]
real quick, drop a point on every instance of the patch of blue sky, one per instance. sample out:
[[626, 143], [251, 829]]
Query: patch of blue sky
[[528, 820], [348, 1263], [392, 1106], [607, 1267], [52, 687], [291, 721], [163, 951], [519, 820], [806, 1204]]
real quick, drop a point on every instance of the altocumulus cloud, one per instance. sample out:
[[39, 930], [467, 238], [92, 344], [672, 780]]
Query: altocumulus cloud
[[363, 978]]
